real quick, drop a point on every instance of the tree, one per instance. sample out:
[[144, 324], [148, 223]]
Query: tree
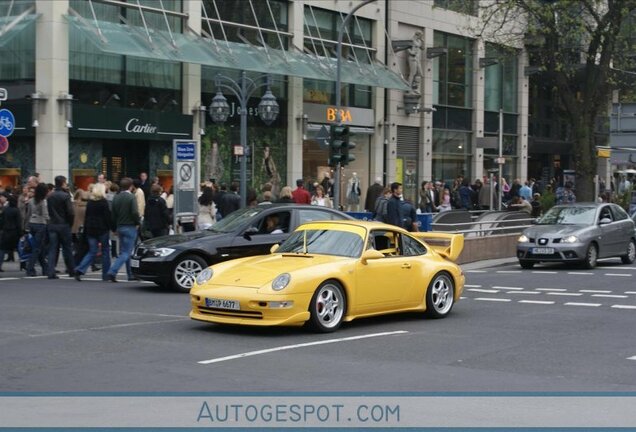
[[576, 44]]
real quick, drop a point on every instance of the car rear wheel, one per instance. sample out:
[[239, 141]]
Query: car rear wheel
[[327, 307], [630, 256], [526, 264], [186, 271], [591, 256], [440, 296]]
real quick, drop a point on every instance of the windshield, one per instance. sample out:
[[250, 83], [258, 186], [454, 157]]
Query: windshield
[[323, 242], [569, 215], [234, 220]]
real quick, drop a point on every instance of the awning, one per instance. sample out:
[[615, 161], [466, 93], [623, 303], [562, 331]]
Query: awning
[[133, 41], [12, 26]]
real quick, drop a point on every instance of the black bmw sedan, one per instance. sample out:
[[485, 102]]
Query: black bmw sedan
[[176, 260]]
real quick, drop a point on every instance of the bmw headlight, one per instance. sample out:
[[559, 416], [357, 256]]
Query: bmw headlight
[[570, 239], [205, 276], [523, 239], [162, 252], [281, 281]]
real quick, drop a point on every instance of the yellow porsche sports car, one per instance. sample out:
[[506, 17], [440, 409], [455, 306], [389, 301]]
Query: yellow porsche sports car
[[329, 272]]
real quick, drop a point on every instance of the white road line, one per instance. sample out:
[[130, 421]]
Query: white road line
[[630, 292], [583, 304], [595, 291], [475, 271], [112, 326], [536, 301], [522, 292], [550, 289], [35, 277], [623, 307], [9, 278], [507, 288], [483, 290], [508, 271], [472, 286], [609, 295], [492, 299], [628, 268], [565, 294], [619, 274], [302, 345], [581, 273], [631, 358], [543, 272], [462, 298]]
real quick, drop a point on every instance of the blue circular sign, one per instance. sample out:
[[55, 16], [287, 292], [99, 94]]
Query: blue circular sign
[[7, 122]]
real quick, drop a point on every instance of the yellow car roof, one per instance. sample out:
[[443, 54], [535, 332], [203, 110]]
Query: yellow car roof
[[354, 224]]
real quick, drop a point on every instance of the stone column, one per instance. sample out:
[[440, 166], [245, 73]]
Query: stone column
[[479, 82], [523, 92], [295, 103], [191, 84], [52, 80], [426, 168]]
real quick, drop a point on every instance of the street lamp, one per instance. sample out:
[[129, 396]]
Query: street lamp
[[268, 110]]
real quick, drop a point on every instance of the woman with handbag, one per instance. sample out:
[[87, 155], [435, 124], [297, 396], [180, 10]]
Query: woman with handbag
[[38, 219]]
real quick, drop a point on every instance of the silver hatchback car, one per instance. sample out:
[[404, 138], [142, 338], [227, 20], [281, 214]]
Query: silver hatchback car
[[581, 232]]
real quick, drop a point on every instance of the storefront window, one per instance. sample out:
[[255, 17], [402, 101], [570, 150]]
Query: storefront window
[[452, 155], [17, 56], [501, 80], [321, 34], [452, 73]]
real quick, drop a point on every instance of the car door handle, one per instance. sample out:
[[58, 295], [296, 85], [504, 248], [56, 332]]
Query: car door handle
[[406, 266]]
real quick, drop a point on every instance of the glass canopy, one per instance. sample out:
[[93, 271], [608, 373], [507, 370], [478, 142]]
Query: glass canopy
[[135, 41]]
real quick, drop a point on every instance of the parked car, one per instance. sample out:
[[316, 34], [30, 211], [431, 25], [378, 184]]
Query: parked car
[[330, 272], [581, 232], [176, 260]]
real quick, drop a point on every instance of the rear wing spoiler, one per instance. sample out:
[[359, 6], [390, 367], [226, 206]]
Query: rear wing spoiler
[[448, 245]]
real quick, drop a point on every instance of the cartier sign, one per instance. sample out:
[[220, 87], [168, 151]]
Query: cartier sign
[[135, 126]]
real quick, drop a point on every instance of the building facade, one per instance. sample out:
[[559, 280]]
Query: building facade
[[105, 86]]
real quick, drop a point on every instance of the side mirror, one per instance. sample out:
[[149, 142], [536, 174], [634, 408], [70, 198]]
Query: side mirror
[[605, 221], [247, 234], [274, 248], [371, 254]]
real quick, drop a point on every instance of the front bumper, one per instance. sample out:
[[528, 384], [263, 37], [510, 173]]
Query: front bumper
[[152, 269], [562, 252], [255, 308]]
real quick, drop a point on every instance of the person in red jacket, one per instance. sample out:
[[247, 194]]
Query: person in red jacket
[[301, 195]]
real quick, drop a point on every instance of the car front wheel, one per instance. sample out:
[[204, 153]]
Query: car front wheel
[[440, 296], [327, 307], [630, 256], [589, 262], [185, 272]]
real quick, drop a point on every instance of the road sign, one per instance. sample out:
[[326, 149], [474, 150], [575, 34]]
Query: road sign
[[4, 145], [7, 123], [185, 178], [185, 151], [3, 94]]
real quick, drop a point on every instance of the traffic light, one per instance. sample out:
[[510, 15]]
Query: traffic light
[[339, 146]]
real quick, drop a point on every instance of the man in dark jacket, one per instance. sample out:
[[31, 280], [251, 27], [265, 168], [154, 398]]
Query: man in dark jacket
[[10, 227], [394, 206], [230, 201], [61, 218], [125, 218]]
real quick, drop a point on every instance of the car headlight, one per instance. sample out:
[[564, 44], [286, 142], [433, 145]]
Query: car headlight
[[523, 239], [161, 252], [205, 276], [281, 281], [570, 239]]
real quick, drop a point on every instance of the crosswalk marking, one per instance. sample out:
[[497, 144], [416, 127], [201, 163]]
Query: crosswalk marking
[[523, 292], [609, 295], [581, 273], [507, 288], [536, 301], [551, 289], [583, 304], [565, 294], [493, 299], [595, 291], [491, 291], [619, 274], [623, 307]]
